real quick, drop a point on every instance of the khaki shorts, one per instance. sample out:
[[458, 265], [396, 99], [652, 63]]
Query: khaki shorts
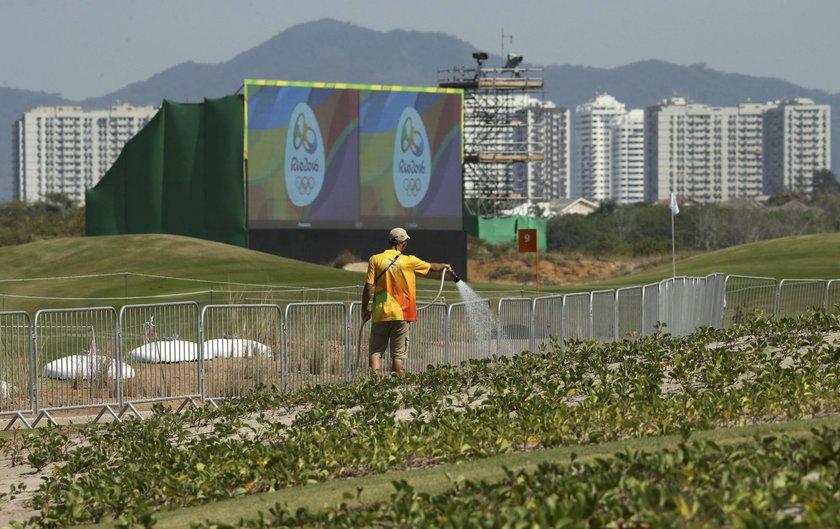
[[395, 332]]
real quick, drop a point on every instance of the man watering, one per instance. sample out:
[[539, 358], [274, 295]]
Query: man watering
[[392, 286]]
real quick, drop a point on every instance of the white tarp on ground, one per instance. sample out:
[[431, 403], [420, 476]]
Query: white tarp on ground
[[84, 367], [6, 390], [235, 348], [164, 352]]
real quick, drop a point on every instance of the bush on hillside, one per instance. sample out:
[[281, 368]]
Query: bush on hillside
[[645, 229], [55, 216]]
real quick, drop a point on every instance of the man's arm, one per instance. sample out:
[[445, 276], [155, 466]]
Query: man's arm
[[437, 267], [367, 294]]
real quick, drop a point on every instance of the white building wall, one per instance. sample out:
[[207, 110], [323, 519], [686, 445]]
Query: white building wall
[[548, 129], [543, 130], [557, 155], [592, 147], [709, 154], [627, 157], [797, 143], [68, 149]]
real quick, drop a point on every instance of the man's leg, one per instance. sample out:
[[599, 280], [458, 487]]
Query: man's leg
[[375, 362], [379, 334], [398, 367], [399, 347]]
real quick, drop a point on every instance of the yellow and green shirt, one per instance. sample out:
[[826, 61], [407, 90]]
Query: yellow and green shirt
[[395, 294]]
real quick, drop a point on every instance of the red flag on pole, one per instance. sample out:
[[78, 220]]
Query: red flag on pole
[[527, 240]]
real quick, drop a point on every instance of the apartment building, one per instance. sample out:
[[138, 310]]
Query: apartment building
[[706, 153], [796, 143], [546, 176], [67, 149], [627, 157], [593, 151], [609, 151]]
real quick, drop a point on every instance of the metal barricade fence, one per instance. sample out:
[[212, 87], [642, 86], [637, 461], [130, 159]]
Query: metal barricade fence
[[713, 300], [650, 308], [576, 317], [745, 294], [160, 345], [628, 311], [76, 360], [358, 363], [687, 298], [314, 342], [513, 332], [795, 297], [697, 289], [679, 312], [547, 314], [469, 331], [427, 338], [832, 295], [602, 315], [16, 374], [665, 309], [242, 349], [93, 358]]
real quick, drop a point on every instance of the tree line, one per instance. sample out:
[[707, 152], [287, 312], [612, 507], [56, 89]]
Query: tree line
[[645, 229], [56, 215]]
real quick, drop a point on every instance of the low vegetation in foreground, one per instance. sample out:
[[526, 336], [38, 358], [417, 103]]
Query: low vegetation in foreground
[[770, 482], [581, 393]]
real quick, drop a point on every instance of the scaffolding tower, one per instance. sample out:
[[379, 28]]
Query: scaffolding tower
[[503, 141]]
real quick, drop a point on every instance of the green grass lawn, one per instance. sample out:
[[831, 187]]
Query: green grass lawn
[[219, 273], [212, 266]]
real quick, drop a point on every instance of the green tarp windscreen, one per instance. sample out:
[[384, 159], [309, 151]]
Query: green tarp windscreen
[[499, 230], [181, 174]]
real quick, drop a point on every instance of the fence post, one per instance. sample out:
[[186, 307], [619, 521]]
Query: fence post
[[776, 301], [532, 340], [563, 322], [615, 315], [447, 335]]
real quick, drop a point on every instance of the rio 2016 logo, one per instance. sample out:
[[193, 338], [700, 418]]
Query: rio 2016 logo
[[412, 159], [305, 164]]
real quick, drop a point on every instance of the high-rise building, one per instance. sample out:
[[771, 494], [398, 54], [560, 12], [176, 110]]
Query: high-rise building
[[67, 149], [593, 152], [797, 143], [709, 154], [547, 129], [627, 157]]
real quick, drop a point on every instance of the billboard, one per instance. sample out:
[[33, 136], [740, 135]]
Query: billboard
[[353, 156]]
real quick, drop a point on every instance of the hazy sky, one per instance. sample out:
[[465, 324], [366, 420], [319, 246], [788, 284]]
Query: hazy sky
[[85, 48]]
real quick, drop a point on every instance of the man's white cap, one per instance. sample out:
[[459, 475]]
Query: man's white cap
[[398, 235]]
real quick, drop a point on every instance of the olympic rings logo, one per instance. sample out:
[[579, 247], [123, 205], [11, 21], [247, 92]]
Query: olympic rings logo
[[304, 135], [412, 186], [305, 162], [411, 138], [412, 165], [305, 184]]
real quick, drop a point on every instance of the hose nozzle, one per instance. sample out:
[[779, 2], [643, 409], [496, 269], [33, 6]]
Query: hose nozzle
[[455, 277]]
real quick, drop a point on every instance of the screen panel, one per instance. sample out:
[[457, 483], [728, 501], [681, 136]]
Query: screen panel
[[410, 171], [353, 156], [303, 156]]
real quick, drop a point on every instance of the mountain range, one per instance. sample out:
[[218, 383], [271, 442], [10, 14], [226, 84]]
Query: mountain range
[[332, 51]]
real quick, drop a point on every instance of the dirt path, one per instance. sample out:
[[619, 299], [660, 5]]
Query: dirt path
[[554, 269], [519, 269]]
